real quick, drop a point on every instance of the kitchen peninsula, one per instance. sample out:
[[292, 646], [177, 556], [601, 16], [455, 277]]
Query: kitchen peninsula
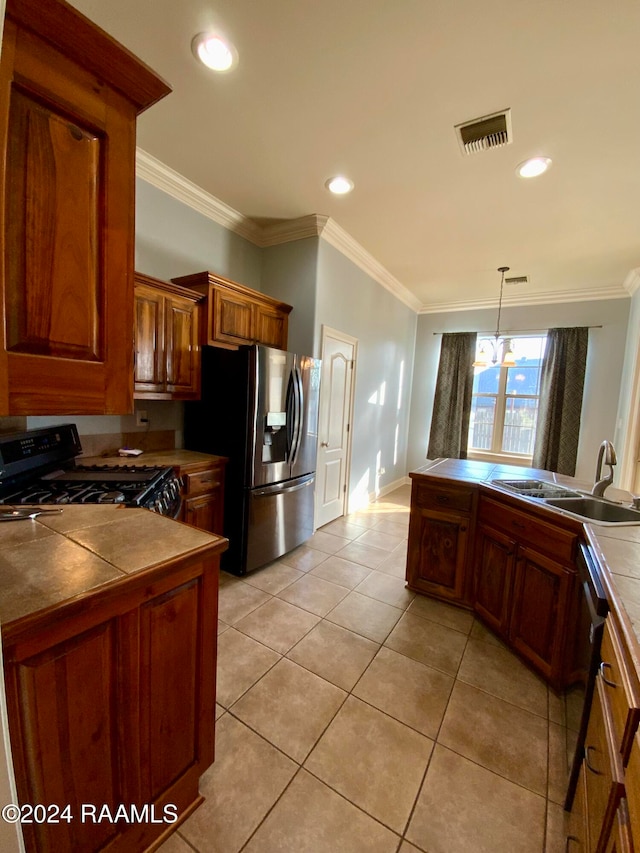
[[109, 620], [513, 560]]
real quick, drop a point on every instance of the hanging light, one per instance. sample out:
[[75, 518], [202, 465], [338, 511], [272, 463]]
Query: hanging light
[[490, 348]]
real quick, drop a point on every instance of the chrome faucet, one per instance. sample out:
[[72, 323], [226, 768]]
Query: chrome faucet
[[606, 455]]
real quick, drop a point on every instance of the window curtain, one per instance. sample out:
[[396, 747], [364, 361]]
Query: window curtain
[[561, 387], [452, 401]]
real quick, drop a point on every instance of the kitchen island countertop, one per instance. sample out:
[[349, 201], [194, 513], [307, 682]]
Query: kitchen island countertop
[[57, 558], [617, 546]]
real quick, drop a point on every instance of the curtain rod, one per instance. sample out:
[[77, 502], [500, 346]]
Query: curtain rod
[[505, 332]]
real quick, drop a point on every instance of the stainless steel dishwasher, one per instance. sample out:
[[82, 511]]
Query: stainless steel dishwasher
[[586, 655]]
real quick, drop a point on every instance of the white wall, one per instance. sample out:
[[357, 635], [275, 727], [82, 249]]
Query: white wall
[[604, 365], [289, 273], [626, 426], [172, 239], [350, 301]]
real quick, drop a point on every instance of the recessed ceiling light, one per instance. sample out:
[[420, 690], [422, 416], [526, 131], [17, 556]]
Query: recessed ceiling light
[[214, 51], [534, 167], [339, 185]]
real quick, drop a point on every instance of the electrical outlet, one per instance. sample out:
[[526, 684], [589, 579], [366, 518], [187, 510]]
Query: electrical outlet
[[141, 417]]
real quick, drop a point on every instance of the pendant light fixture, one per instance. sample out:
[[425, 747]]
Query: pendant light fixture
[[491, 348]]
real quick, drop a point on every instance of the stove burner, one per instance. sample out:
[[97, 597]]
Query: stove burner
[[106, 497]]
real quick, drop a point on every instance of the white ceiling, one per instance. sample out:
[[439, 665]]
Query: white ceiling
[[373, 89]]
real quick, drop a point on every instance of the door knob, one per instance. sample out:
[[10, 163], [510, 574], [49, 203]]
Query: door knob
[[324, 444]]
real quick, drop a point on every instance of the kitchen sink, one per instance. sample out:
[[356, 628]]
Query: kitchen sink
[[536, 489], [595, 509]]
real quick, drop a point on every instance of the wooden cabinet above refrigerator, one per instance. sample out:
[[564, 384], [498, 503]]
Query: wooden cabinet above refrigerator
[[236, 314], [69, 97]]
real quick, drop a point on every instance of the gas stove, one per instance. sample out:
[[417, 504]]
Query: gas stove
[[38, 467]]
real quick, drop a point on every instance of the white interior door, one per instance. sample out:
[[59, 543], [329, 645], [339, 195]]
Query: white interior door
[[336, 405]]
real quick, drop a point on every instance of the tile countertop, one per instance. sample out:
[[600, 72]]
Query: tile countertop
[[177, 458], [617, 547], [53, 558]]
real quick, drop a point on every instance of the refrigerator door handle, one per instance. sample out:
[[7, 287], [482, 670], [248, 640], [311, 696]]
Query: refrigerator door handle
[[298, 408], [278, 490]]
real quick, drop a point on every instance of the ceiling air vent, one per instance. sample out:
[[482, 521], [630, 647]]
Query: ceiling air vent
[[517, 279], [492, 131]]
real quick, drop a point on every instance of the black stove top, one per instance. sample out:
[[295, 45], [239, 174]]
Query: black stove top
[[35, 468]]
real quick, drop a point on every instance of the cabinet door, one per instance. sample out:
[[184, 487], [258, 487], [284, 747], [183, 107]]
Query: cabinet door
[[538, 611], [270, 327], [65, 706], [149, 340], [182, 352], [66, 284], [177, 663], [232, 319], [577, 836], [437, 553], [495, 561], [205, 512]]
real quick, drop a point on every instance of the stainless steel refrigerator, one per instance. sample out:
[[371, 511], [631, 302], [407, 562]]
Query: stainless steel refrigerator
[[259, 408]]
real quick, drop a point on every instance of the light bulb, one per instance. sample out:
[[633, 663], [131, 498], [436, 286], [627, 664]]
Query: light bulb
[[214, 52]]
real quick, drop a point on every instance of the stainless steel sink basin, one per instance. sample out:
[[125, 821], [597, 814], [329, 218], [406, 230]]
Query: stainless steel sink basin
[[597, 510], [536, 489]]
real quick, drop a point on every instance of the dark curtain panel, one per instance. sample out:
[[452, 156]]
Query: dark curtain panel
[[561, 386], [452, 401]]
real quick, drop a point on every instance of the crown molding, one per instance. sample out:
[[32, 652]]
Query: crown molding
[[632, 281], [548, 297], [156, 173], [289, 230], [337, 237]]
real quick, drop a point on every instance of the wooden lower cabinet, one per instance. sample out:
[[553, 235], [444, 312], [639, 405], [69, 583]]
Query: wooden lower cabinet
[[538, 623], [203, 496], [114, 705], [524, 576], [599, 818], [495, 562], [577, 836], [440, 531]]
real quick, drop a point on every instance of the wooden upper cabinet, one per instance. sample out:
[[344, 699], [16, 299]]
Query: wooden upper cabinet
[[167, 363], [69, 97], [236, 314]]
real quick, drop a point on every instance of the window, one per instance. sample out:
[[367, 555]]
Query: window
[[504, 406]]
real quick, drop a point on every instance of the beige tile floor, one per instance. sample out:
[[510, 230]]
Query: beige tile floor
[[355, 717]]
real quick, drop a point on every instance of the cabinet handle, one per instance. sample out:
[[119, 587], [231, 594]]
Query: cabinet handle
[[518, 524], [604, 665], [586, 761], [463, 528], [442, 499]]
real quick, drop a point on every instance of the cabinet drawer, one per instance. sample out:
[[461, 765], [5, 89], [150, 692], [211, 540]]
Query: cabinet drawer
[[621, 691], [603, 771], [428, 496], [553, 540], [200, 482]]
